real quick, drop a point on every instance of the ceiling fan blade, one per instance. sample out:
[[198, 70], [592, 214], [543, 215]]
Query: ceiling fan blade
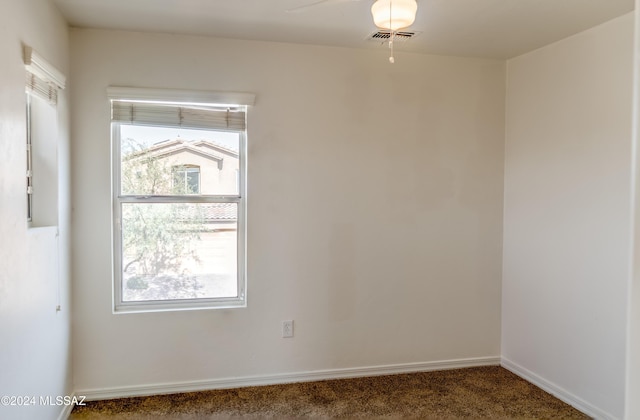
[[315, 3]]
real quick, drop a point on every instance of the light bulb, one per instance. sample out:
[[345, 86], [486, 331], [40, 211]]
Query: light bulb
[[394, 14]]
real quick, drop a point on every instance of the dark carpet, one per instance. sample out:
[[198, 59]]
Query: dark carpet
[[483, 392]]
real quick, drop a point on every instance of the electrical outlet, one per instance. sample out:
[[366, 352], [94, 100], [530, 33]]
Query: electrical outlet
[[287, 329]]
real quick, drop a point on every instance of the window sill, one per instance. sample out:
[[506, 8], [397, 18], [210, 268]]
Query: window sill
[[179, 305]]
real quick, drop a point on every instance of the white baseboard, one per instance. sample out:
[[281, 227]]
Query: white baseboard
[[557, 391], [316, 375], [66, 412]]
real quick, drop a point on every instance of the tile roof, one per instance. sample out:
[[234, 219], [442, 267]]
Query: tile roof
[[209, 212], [220, 211]]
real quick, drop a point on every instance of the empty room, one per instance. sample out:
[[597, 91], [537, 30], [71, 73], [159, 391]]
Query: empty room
[[218, 208]]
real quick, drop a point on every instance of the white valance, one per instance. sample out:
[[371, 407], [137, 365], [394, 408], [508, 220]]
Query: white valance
[[42, 79]]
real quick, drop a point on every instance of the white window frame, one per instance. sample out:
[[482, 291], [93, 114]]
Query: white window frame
[[187, 97]]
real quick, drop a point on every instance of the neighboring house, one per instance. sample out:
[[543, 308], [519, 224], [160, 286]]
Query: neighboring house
[[199, 167], [189, 167]]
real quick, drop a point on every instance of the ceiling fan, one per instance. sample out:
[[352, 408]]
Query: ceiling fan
[[391, 15]]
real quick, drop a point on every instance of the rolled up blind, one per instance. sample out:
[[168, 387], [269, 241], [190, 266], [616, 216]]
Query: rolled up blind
[[203, 117], [40, 87]]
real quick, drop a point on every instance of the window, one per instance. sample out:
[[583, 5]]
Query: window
[[179, 214], [43, 83], [186, 179]]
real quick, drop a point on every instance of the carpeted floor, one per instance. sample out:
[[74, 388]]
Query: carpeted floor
[[484, 392]]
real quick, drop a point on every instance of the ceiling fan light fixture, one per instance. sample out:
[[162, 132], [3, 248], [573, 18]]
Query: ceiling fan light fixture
[[394, 14]]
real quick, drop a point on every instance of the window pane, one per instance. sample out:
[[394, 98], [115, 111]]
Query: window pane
[[179, 251], [178, 179], [171, 161], [186, 180], [44, 162], [193, 180]]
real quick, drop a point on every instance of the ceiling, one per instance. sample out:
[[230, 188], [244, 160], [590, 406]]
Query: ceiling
[[480, 28]]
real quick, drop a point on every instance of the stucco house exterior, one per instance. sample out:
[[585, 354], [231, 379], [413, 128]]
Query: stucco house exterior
[[198, 166]]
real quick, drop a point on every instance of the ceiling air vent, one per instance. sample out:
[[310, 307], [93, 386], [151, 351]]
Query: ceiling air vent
[[384, 35]]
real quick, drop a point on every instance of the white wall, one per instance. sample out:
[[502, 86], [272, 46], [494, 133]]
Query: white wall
[[632, 407], [375, 210], [35, 341], [567, 214]]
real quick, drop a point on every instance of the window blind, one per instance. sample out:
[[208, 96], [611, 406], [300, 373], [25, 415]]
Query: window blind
[[40, 87], [43, 79], [202, 117]]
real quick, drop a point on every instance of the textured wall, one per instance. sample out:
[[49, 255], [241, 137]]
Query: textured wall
[[374, 210], [567, 213], [35, 349]]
